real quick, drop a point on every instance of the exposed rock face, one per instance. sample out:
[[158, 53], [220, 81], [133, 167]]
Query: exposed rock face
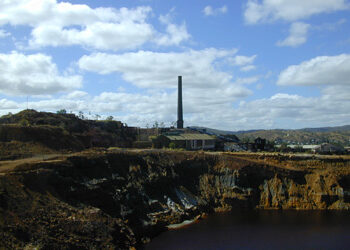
[[123, 199]]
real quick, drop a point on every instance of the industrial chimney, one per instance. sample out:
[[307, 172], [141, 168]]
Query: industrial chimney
[[180, 121]]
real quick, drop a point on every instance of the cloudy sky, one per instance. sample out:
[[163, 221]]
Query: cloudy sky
[[245, 64]]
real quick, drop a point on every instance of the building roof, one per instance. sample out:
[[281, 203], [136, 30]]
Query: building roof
[[185, 137], [310, 146]]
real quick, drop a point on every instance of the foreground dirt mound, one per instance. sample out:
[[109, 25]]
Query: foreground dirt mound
[[119, 200]]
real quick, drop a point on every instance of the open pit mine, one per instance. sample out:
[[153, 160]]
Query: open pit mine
[[121, 199]]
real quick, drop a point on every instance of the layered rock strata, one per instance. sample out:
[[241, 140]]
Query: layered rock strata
[[120, 200]]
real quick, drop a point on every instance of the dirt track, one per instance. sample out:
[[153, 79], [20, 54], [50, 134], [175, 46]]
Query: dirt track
[[7, 166]]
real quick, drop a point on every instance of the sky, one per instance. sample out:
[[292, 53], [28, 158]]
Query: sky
[[255, 64]]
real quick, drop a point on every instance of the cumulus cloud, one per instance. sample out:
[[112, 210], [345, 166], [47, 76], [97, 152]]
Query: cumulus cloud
[[99, 35], [148, 69], [297, 35], [210, 11], [77, 94], [322, 70], [281, 96], [206, 108], [175, 34], [248, 68], [247, 80], [33, 75], [295, 111], [63, 24], [7, 104], [243, 60], [290, 10], [206, 89]]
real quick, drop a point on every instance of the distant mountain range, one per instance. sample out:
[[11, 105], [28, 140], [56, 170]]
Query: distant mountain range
[[337, 135]]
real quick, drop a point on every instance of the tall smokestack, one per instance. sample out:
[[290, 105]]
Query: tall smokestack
[[180, 121]]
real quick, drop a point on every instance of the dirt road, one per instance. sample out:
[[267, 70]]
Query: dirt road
[[8, 166]]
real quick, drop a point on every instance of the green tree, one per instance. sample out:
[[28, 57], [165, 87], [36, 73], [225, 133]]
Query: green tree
[[62, 112], [245, 139], [155, 125], [109, 118], [81, 115]]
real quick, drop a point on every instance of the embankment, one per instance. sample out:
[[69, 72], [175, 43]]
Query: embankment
[[123, 199]]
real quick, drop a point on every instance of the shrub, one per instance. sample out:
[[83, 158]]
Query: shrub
[[24, 122]]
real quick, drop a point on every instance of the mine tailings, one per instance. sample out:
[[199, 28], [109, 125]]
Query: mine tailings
[[122, 199]]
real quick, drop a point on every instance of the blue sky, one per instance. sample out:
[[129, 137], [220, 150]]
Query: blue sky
[[255, 64]]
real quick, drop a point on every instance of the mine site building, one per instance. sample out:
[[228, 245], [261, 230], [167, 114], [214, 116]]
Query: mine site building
[[187, 141], [325, 148]]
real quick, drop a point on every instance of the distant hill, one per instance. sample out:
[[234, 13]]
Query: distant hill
[[328, 129], [214, 131], [337, 135]]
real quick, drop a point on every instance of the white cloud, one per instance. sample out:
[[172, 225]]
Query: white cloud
[[284, 96], [7, 104], [148, 69], [210, 11], [4, 33], [57, 104], [77, 94], [248, 68], [136, 104], [247, 80], [331, 70], [288, 111], [33, 75], [242, 60], [211, 108], [206, 89], [207, 101], [63, 24], [290, 10], [99, 35], [341, 93], [297, 35], [175, 34]]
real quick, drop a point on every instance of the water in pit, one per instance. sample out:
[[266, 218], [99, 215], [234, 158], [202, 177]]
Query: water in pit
[[262, 230]]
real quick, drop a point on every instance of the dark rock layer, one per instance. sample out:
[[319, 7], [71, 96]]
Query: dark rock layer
[[121, 200]]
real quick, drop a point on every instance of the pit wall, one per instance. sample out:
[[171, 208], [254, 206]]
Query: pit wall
[[123, 199]]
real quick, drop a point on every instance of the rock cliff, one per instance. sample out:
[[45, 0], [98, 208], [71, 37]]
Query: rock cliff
[[121, 199]]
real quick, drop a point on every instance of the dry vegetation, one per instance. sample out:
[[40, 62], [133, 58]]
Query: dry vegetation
[[304, 136], [29, 133]]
